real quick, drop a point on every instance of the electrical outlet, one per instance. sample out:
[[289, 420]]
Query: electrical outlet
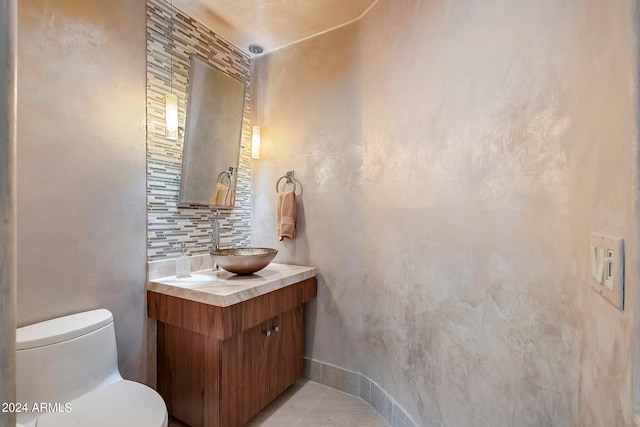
[[606, 256]]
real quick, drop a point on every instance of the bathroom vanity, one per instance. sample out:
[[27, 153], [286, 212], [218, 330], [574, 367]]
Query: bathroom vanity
[[228, 345]]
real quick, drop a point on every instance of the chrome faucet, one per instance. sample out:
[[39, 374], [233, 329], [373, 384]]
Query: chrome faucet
[[215, 236], [215, 233]]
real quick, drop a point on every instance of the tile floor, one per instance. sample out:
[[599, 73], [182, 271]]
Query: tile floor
[[311, 404]]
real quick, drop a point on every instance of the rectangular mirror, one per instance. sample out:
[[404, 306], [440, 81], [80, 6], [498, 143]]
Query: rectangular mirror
[[213, 133]]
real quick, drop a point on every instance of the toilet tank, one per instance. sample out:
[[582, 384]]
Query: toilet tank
[[61, 359]]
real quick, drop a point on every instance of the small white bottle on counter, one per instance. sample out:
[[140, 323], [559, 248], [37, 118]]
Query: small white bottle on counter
[[183, 264]]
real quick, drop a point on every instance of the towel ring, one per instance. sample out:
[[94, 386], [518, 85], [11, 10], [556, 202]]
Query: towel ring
[[289, 180], [222, 174]]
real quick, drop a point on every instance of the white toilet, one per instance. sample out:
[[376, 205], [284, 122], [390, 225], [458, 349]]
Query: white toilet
[[67, 375]]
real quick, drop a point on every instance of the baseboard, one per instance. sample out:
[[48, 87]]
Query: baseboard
[[358, 385]]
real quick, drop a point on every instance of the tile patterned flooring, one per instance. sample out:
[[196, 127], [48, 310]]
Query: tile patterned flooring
[[310, 404]]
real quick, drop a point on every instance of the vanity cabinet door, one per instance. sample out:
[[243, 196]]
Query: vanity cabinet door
[[286, 351], [244, 381], [255, 372], [259, 364]]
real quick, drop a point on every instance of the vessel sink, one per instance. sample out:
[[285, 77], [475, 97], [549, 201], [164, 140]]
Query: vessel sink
[[244, 261]]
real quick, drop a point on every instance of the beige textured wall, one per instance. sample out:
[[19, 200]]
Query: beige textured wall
[[81, 167], [454, 162], [309, 106]]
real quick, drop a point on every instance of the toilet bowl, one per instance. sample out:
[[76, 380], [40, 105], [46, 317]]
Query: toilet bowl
[[67, 375]]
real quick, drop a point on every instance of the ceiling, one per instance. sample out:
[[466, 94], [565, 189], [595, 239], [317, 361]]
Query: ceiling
[[272, 23]]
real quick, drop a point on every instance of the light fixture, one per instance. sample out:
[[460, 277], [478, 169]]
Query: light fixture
[[255, 138], [170, 99], [256, 49], [255, 143], [171, 113]]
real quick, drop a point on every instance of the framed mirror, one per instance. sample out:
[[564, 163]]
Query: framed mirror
[[212, 138]]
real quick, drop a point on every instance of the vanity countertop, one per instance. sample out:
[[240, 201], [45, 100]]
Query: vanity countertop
[[222, 289]]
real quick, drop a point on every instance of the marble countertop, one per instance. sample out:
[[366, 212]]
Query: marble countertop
[[222, 289]]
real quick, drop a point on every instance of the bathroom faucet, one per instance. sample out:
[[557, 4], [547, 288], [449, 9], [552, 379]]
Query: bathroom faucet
[[215, 236], [215, 233]]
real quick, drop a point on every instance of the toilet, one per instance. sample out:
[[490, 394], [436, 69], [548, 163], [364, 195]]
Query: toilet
[[67, 375]]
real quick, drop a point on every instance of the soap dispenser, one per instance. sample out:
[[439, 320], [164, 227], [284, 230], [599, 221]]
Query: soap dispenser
[[183, 265]]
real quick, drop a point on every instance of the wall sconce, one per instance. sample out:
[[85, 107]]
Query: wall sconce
[[255, 143], [256, 49], [171, 113]]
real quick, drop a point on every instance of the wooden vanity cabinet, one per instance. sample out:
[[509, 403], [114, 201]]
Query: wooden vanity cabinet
[[219, 366]]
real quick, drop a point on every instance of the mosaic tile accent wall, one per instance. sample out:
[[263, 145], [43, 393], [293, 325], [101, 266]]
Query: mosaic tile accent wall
[[168, 225]]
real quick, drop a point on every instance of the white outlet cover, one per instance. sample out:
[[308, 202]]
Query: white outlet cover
[[611, 286]]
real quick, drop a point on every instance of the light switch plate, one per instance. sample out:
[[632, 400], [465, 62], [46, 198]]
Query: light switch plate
[[607, 252]]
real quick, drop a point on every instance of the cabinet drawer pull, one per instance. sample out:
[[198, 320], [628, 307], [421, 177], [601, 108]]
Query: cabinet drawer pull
[[276, 328], [268, 333]]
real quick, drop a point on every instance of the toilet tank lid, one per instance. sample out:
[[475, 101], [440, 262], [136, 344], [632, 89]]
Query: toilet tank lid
[[61, 329]]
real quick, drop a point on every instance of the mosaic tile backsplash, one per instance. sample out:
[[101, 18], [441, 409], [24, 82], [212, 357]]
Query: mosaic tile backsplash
[[169, 225]]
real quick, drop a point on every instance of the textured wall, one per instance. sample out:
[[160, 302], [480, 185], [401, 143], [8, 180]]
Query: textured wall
[[309, 109], [168, 225], [81, 167], [455, 157], [8, 9]]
